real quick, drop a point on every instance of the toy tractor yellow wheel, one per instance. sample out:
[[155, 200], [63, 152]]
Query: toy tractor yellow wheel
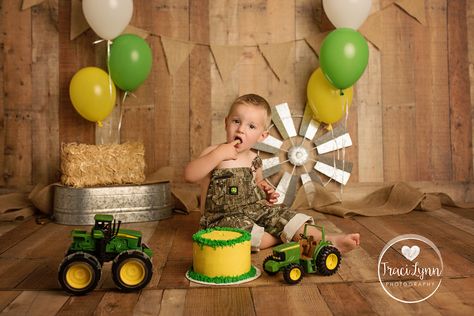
[[328, 260], [293, 273], [79, 273], [132, 270]]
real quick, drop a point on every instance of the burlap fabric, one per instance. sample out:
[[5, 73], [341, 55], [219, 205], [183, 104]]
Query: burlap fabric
[[15, 206], [398, 198]]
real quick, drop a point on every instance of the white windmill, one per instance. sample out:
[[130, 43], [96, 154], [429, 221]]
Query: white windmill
[[302, 155]]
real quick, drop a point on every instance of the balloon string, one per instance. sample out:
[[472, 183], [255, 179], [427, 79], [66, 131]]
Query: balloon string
[[122, 106], [109, 42], [333, 159], [346, 110]]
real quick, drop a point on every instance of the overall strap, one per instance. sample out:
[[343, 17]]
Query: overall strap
[[256, 163]]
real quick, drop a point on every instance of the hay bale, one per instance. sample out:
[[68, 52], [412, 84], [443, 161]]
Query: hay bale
[[95, 165]]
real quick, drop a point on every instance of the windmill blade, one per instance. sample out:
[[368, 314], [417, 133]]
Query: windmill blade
[[308, 127], [340, 142], [270, 166], [287, 188], [338, 170], [313, 176], [308, 186], [269, 145], [283, 121], [337, 139], [309, 181]]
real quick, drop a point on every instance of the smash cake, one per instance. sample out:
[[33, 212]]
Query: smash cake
[[221, 255]]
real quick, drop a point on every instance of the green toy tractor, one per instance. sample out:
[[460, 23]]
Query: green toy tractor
[[80, 270], [307, 255]]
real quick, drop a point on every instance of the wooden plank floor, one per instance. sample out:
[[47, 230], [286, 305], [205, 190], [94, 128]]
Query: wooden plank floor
[[30, 255]]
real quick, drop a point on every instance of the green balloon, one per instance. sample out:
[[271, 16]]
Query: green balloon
[[130, 61], [343, 57]]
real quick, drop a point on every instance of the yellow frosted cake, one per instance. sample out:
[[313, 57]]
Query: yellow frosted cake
[[221, 255]]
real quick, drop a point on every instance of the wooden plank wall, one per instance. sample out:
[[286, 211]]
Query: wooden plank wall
[[17, 94], [411, 118], [470, 36]]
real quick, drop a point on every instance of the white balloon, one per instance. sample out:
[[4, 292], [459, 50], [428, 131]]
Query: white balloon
[[347, 13], [108, 18]]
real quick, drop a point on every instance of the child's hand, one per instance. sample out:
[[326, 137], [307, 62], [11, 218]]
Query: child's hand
[[271, 194], [228, 151]]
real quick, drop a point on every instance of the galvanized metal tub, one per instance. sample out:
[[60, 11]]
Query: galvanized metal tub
[[129, 204]]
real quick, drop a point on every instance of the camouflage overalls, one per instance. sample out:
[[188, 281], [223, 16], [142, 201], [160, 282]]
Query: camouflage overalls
[[234, 200]]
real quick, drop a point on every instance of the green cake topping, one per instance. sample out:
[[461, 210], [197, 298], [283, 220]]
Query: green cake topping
[[214, 243]]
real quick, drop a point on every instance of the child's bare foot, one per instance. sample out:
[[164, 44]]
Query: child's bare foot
[[345, 243]]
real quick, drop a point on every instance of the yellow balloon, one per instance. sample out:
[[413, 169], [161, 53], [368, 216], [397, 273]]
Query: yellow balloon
[[326, 102], [92, 93]]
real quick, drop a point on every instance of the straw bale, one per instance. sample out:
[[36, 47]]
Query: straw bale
[[95, 165]]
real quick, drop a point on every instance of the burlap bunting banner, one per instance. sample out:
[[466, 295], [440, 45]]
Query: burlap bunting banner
[[415, 8], [26, 4], [315, 41], [372, 31], [176, 53], [276, 56], [130, 29], [226, 58], [78, 21]]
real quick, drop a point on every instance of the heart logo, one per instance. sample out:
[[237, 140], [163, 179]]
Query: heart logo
[[410, 253]]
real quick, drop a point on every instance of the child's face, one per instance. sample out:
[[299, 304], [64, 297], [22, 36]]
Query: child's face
[[246, 123]]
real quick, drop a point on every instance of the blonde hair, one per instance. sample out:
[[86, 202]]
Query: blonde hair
[[257, 101]]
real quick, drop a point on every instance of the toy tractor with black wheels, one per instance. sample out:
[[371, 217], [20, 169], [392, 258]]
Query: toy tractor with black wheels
[[306, 256], [80, 270]]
